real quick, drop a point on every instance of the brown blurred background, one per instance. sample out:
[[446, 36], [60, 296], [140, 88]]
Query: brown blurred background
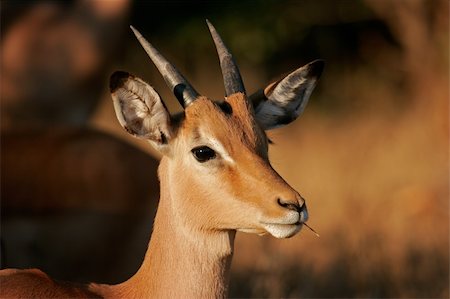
[[370, 153]]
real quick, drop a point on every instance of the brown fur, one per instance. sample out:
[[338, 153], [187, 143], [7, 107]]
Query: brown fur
[[34, 283]]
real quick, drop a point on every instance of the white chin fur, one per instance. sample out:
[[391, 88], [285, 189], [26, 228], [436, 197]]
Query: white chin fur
[[283, 230]]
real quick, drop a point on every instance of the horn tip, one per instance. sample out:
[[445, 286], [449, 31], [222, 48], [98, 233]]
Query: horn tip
[[210, 26], [135, 31]]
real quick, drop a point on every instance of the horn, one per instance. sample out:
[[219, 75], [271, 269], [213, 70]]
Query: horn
[[230, 72], [181, 88]]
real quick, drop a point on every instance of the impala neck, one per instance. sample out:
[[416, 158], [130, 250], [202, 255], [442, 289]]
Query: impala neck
[[180, 262]]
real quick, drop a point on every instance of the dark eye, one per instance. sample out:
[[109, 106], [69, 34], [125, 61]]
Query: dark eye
[[203, 153]]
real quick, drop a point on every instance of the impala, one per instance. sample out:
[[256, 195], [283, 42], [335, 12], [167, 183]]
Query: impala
[[215, 179]]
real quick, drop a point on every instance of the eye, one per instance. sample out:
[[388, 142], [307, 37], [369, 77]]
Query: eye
[[203, 153]]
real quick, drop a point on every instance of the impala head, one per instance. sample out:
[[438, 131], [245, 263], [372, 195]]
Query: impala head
[[216, 153]]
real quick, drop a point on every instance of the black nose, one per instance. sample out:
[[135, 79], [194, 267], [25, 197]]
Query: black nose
[[291, 205]]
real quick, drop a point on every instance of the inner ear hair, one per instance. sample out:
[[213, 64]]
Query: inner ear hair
[[282, 101], [139, 108]]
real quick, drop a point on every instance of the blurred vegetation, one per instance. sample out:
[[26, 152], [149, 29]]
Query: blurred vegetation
[[370, 153], [270, 38]]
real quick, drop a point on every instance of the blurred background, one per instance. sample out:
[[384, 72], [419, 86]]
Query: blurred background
[[370, 153]]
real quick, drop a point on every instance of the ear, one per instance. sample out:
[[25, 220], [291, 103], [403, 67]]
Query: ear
[[140, 110], [281, 102]]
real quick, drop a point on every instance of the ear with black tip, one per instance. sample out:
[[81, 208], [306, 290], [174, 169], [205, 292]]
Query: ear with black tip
[[281, 102], [140, 110]]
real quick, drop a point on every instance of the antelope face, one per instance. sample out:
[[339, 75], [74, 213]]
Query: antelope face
[[229, 182], [218, 152]]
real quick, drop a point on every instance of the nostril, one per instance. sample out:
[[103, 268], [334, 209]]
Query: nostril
[[302, 207], [290, 205]]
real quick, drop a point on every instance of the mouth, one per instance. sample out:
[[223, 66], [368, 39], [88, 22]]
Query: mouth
[[283, 230], [284, 227]]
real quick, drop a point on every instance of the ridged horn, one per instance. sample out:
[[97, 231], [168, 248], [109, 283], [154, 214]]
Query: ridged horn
[[181, 88], [230, 72]]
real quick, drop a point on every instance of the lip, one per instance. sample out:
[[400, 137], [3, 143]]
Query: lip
[[281, 223], [293, 218], [283, 230]]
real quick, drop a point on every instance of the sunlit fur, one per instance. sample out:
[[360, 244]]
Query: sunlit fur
[[202, 204], [239, 195]]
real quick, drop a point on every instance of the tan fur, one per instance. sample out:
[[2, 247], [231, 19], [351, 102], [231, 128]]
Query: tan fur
[[201, 207]]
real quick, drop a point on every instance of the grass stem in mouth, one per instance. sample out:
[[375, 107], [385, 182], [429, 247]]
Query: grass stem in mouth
[[311, 229]]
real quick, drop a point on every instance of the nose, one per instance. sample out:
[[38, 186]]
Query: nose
[[291, 205], [295, 205]]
